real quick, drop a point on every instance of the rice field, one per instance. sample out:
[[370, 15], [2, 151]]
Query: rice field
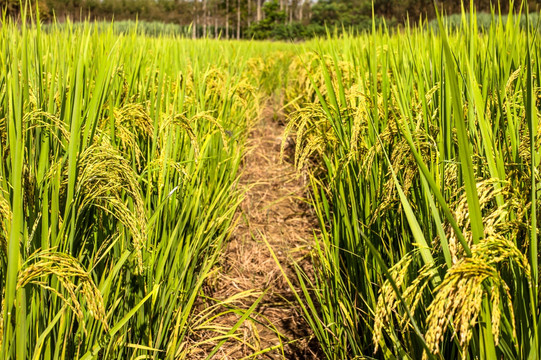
[[121, 158]]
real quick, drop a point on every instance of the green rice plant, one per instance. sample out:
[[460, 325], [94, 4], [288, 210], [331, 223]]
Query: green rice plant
[[423, 153], [120, 158]]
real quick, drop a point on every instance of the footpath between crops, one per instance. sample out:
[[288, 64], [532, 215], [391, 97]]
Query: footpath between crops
[[274, 208]]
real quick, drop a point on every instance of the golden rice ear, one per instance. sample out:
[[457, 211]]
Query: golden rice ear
[[180, 120], [75, 280], [207, 117], [498, 221], [403, 162], [470, 281], [312, 136], [388, 304], [5, 221], [105, 179], [132, 123], [54, 127], [388, 300]]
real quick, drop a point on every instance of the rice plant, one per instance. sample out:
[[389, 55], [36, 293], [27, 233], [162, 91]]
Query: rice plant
[[120, 157], [423, 152]]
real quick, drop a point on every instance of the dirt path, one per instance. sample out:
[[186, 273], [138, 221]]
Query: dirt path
[[275, 208]]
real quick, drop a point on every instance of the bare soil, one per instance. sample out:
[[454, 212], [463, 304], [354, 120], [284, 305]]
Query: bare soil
[[274, 208]]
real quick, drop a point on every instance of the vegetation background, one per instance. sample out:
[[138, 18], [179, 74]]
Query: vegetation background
[[259, 19]]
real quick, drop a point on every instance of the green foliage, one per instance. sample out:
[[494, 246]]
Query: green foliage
[[293, 20], [271, 25], [126, 27], [484, 21], [340, 13], [325, 15]]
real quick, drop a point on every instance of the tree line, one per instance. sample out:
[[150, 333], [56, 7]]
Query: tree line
[[277, 19]]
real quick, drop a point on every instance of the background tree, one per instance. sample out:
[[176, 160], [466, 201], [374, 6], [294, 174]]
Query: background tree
[[273, 17]]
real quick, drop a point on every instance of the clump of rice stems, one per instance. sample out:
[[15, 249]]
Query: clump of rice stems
[[467, 284], [458, 298], [300, 87], [309, 77], [75, 280], [110, 126], [105, 180], [394, 122], [316, 137]]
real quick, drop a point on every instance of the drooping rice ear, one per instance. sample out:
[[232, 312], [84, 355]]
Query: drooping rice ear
[[106, 181], [75, 280]]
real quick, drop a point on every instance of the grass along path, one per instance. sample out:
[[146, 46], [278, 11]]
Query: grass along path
[[274, 207]]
